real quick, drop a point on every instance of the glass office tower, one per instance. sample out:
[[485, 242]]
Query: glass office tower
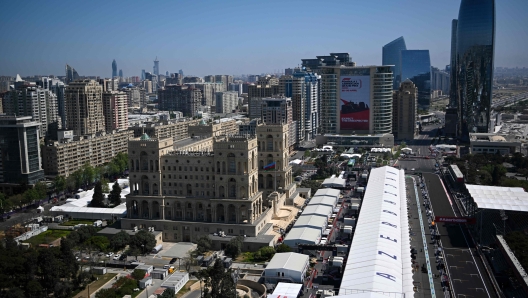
[[416, 66], [475, 48], [392, 56]]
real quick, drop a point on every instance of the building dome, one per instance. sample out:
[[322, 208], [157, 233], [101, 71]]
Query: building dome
[[144, 137]]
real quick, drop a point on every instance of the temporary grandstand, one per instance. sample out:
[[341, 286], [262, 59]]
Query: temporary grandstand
[[379, 261]]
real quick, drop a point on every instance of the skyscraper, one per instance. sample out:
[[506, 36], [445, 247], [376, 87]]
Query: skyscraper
[[392, 56], [142, 74], [20, 150], [114, 69], [349, 102], [156, 67], [452, 66], [404, 112], [84, 107], [115, 110], [71, 74], [475, 47], [416, 66], [121, 73], [28, 99]]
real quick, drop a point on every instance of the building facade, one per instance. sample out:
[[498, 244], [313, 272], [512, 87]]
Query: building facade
[[475, 49], [334, 59], [226, 102], [28, 99], [71, 74], [356, 100], [84, 107], [209, 91], [440, 80], [114, 69], [115, 110], [66, 156], [180, 98], [416, 66], [391, 55], [177, 130], [404, 110], [264, 88], [20, 161]]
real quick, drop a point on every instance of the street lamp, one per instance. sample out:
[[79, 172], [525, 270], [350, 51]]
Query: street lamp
[[142, 248]]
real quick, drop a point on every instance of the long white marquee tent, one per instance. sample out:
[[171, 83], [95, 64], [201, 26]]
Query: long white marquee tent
[[379, 262]]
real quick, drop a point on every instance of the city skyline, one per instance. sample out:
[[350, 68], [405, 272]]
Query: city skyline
[[231, 37]]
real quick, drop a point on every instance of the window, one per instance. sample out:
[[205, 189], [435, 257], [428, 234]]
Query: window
[[175, 228], [196, 229], [230, 231], [175, 236]]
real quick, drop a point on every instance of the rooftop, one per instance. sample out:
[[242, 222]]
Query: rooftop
[[289, 261], [499, 198]]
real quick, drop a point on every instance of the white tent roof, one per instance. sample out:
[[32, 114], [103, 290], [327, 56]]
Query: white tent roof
[[334, 182], [327, 192], [118, 210], [285, 289], [302, 235], [379, 258], [323, 200], [499, 198], [320, 210], [289, 261], [311, 221]]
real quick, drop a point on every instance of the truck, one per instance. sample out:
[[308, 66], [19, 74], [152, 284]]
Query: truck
[[157, 248]]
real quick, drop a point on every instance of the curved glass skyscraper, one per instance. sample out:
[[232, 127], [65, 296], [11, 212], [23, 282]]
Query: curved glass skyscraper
[[475, 47], [392, 56]]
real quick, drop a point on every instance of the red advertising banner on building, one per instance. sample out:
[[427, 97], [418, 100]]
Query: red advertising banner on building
[[457, 220], [355, 103]]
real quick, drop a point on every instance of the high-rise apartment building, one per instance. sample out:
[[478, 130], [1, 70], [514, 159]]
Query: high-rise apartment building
[[114, 69], [278, 111], [180, 98], [121, 74], [404, 111], [156, 67], [356, 100], [475, 48], [174, 79], [440, 80], [28, 99], [416, 66], [71, 74], [20, 150], [224, 79], [334, 59], [209, 91], [265, 87], [58, 88], [143, 76], [226, 102], [84, 107], [392, 56], [115, 110], [136, 96]]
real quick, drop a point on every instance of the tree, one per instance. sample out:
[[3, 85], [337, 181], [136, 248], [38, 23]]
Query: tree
[[98, 198], [203, 244], [168, 293], [115, 195], [218, 282], [143, 240], [120, 240], [59, 183], [88, 174], [41, 189], [29, 196], [234, 247], [101, 242], [104, 184], [283, 248], [138, 274], [265, 253], [17, 200]]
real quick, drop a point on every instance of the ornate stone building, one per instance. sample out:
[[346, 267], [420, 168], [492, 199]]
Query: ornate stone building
[[222, 188]]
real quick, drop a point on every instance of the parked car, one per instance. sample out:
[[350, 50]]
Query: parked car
[[116, 257], [108, 255]]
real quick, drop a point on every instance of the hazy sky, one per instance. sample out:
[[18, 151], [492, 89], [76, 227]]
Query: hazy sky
[[232, 37]]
